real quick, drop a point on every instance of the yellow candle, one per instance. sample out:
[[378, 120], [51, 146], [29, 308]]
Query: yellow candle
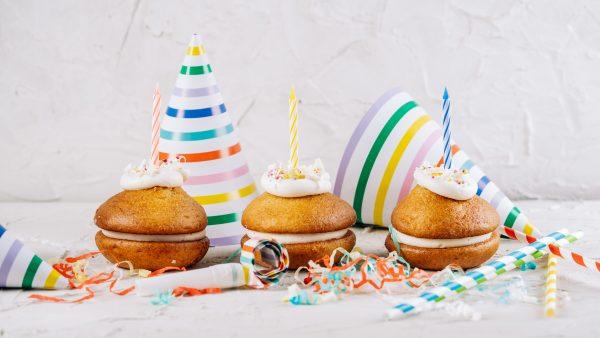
[[293, 114]]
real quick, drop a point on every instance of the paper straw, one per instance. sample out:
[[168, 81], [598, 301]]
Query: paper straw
[[293, 115], [550, 293], [447, 131], [480, 275], [563, 253], [155, 125], [262, 264]]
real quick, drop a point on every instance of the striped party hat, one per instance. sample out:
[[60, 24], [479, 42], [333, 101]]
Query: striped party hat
[[21, 268], [198, 127], [394, 137]]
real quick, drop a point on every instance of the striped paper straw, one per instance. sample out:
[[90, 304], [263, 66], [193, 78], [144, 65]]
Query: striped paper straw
[[446, 135], [550, 295], [155, 125], [563, 253], [477, 276], [293, 113]]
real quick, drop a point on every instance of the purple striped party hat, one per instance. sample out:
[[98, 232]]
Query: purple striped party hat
[[21, 268], [394, 137], [198, 127]]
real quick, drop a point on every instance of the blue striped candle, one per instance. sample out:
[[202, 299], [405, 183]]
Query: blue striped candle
[[446, 124]]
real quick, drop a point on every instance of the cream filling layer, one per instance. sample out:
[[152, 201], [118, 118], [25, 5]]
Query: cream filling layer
[[297, 238], [431, 243], [194, 236]]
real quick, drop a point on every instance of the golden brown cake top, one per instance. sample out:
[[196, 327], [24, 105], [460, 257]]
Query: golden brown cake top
[[156, 210], [425, 214], [298, 215]]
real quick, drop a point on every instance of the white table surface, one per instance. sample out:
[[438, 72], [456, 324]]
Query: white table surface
[[52, 228]]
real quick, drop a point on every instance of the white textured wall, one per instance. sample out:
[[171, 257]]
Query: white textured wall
[[76, 81]]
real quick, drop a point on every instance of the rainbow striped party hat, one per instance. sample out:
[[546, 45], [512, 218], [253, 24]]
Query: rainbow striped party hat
[[394, 137], [21, 268], [197, 126]]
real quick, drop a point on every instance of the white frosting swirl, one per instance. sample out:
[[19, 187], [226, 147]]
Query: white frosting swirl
[[451, 183], [168, 174], [304, 181]]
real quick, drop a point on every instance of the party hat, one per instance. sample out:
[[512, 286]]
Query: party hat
[[197, 126], [21, 268], [394, 137]]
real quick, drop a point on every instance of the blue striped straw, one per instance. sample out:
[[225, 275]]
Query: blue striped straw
[[482, 274], [446, 123]]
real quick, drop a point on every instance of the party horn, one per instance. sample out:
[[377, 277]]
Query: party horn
[[21, 268], [563, 253], [262, 263], [198, 127], [480, 275], [394, 137]]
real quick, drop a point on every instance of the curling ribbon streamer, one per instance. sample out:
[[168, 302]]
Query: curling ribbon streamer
[[21, 268], [563, 253], [550, 291], [394, 137], [197, 126], [262, 263], [480, 275]]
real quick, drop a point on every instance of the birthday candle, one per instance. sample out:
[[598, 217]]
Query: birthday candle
[[550, 293], [293, 114], [480, 275], [446, 135], [155, 125]]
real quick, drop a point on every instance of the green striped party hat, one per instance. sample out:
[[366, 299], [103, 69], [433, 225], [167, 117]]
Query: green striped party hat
[[394, 137]]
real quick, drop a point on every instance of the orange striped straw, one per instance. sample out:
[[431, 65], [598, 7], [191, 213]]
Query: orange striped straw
[[155, 125]]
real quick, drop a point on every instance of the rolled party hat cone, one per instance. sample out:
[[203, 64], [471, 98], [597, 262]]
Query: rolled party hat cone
[[394, 137], [197, 126], [21, 268]]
